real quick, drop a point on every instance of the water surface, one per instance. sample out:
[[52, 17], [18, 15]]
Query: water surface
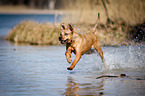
[[42, 71]]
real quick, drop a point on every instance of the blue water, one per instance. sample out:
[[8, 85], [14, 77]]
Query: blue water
[[8, 21], [27, 70]]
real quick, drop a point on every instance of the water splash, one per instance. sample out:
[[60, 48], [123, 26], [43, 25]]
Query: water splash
[[125, 57]]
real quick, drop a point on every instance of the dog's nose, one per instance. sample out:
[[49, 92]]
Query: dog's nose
[[60, 38]]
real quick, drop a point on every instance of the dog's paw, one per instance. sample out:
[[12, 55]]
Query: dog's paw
[[69, 60], [69, 68]]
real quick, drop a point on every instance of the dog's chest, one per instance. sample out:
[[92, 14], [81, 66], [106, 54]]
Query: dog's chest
[[73, 49]]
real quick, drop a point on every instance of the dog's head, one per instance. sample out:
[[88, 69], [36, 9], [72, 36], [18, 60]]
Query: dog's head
[[66, 34]]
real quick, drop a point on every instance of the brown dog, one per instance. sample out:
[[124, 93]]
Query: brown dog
[[78, 44]]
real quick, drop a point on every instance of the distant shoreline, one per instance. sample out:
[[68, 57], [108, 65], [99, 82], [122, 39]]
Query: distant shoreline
[[31, 11], [25, 10]]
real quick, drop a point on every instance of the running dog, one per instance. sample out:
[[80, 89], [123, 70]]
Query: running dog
[[79, 44]]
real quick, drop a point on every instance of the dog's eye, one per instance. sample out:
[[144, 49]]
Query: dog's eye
[[60, 34], [65, 34]]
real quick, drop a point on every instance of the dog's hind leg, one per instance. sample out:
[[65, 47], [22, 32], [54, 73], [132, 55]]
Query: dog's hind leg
[[98, 48]]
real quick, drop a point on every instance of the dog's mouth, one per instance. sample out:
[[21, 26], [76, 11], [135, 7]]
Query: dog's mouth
[[64, 41]]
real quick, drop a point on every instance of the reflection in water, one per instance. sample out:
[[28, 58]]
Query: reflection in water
[[72, 87], [79, 89]]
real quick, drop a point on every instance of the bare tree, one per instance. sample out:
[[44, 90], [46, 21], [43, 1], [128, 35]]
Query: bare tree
[[40, 3], [106, 11], [20, 2], [51, 4], [32, 3]]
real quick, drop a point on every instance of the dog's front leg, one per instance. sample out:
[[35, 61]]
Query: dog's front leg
[[68, 53], [68, 56], [77, 58]]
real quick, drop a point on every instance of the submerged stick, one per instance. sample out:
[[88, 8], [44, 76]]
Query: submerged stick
[[121, 75]]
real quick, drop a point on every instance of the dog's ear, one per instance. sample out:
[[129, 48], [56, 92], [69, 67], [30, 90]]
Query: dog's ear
[[62, 26], [70, 27]]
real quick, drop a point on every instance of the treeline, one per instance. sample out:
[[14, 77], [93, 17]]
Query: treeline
[[38, 4]]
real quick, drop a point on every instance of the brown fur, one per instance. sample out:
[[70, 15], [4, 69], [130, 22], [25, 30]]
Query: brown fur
[[79, 44]]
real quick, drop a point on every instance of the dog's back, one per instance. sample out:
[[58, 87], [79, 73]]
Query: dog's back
[[84, 41]]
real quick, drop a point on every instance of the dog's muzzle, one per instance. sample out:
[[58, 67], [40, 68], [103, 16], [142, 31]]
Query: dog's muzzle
[[62, 41]]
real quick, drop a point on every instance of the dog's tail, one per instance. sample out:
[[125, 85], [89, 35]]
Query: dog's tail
[[97, 22]]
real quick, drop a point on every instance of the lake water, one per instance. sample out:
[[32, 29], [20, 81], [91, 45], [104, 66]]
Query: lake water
[[27, 70], [8, 21]]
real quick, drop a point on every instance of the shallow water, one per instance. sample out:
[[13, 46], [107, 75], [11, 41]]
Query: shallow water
[[42, 71]]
